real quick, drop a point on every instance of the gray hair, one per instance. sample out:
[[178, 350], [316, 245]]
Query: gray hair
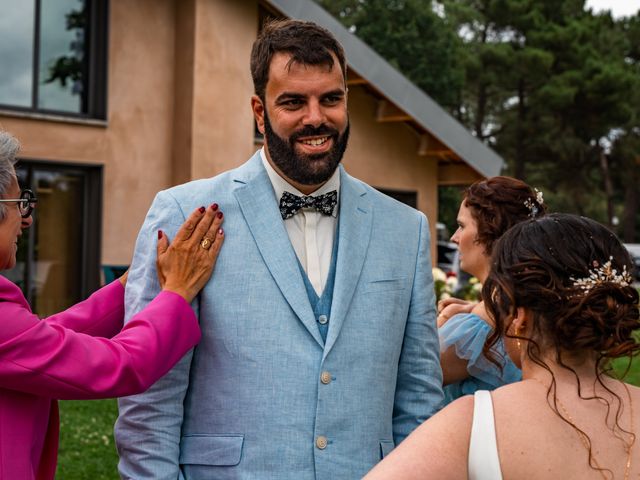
[[9, 147]]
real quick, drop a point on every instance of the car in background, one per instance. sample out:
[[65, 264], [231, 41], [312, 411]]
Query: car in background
[[634, 250], [448, 258], [442, 232]]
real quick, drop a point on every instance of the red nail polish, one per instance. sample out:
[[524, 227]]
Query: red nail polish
[[159, 234], [214, 207], [220, 231], [220, 215], [202, 209]]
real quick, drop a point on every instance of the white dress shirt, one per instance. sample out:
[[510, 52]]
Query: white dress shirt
[[311, 233]]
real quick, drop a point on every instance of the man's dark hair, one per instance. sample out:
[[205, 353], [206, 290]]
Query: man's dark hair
[[306, 42]]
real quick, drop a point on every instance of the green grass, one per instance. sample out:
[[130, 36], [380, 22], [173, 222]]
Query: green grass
[[87, 449], [633, 376], [620, 365]]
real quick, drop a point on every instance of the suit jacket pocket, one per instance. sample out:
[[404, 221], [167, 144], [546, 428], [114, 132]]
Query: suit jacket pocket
[[385, 285], [385, 449], [218, 450]]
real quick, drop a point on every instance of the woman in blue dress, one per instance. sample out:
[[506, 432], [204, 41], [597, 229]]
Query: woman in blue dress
[[488, 209]]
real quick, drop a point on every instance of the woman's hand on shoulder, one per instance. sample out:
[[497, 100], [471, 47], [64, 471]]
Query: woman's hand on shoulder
[[185, 264], [449, 307]]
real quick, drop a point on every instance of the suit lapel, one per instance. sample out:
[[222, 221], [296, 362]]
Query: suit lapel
[[355, 231], [256, 199]]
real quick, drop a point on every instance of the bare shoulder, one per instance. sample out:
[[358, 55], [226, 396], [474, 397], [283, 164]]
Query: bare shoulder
[[437, 449], [479, 310], [633, 391], [524, 418], [506, 398], [450, 427], [509, 401], [460, 411]]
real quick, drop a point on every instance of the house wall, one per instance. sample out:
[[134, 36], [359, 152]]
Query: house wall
[[135, 148], [220, 119], [385, 155], [179, 92]]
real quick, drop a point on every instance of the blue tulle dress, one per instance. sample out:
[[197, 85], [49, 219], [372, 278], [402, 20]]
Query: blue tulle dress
[[467, 333]]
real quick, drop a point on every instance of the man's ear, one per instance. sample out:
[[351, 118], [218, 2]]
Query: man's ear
[[258, 109]]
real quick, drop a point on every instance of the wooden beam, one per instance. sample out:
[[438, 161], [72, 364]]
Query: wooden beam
[[388, 112], [356, 81], [429, 146], [425, 141], [354, 78], [457, 174]]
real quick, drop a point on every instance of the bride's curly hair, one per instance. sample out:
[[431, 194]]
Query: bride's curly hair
[[542, 265]]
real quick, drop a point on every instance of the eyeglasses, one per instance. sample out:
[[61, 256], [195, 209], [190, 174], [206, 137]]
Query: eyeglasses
[[26, 203]]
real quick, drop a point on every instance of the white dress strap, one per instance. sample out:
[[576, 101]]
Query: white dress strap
[[484, 463]]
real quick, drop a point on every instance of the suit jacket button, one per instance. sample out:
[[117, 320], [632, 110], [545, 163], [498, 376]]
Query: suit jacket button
[[325, 377], [321, 442]]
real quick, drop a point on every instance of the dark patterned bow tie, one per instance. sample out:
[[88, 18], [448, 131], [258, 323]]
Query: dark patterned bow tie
[[290, 204]]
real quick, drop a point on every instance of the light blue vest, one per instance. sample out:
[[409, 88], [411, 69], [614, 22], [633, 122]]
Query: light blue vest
[[322, 305]]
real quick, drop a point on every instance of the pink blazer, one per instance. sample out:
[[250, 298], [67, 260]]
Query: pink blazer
[[77, 354]]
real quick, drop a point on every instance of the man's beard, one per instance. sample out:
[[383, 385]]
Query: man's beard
[[312, 169]]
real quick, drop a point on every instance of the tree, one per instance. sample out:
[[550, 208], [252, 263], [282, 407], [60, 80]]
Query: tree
[[547, 84], [625, 151], [585, 99], [411, 37], [551, 86], [73, 68]]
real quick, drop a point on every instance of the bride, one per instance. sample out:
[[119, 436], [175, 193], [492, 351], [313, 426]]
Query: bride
[[561, 287]]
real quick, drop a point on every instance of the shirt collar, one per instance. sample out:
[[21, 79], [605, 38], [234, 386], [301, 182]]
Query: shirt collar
[[280, 185]]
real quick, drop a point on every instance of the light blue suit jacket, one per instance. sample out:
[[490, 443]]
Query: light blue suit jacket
[[249, 402]]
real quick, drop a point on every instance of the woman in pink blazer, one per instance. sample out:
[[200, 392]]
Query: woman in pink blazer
[[83, 352]]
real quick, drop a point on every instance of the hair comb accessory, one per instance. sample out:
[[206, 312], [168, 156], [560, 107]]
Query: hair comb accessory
[[533, 208], [603, 274]]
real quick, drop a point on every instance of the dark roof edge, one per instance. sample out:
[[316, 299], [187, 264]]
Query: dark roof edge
[[398, 89]]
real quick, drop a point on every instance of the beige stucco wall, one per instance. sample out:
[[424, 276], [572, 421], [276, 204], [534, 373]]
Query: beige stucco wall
[[213, 120], [135, 147], [385, 155], [141, 106], [223, 122], [179, 91], [178, 107]]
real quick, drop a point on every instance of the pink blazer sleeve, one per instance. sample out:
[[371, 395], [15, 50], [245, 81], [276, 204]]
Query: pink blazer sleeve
[[59, 357], [101, 315]]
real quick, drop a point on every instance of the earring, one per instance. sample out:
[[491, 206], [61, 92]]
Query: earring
[[518, 342]]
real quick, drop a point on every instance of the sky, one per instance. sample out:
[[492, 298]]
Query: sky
[[16, 52], [618, 8]]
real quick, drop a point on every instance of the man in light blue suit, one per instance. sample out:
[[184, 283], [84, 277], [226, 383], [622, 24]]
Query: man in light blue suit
[[319, 350]]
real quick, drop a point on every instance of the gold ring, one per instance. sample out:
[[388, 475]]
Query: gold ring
[[206, 243]]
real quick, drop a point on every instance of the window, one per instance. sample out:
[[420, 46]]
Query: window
[[407, 197], [53, 56], [58, 260]]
